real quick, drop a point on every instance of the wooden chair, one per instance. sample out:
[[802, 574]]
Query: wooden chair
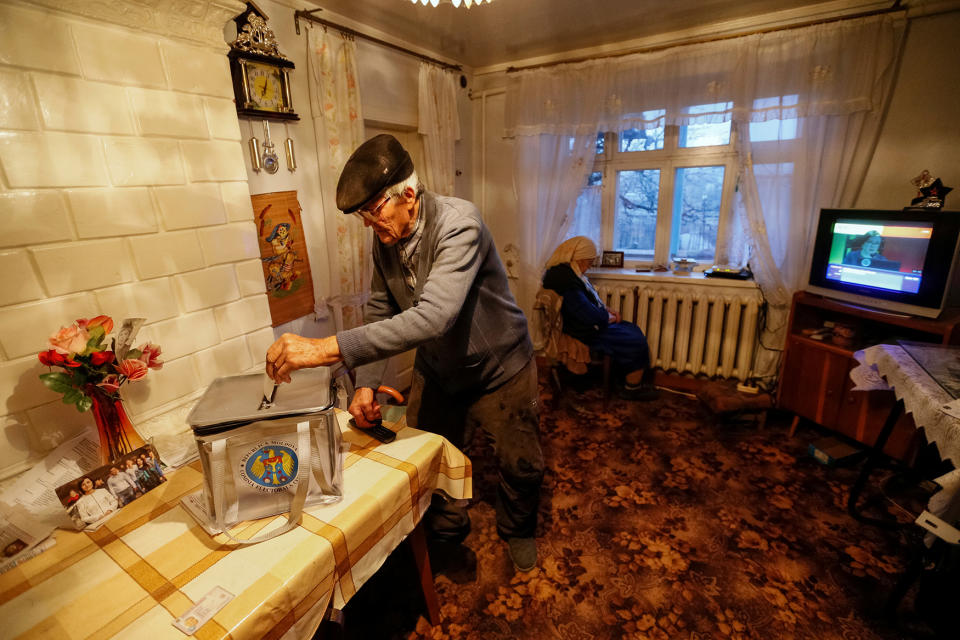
[[561, 350]]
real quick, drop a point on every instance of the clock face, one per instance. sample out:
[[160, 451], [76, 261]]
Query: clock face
[[265, 86]]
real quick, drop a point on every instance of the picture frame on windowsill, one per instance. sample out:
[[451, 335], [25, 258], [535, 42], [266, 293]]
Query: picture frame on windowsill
[[612, 259]]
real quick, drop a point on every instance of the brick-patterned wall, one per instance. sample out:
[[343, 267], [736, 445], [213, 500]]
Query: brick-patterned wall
[[122, 191]]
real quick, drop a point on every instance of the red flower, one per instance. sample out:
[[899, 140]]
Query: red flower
[[100, 357], [110, 384], [133, 369], [100, 321], [51, 358], [150, 355]]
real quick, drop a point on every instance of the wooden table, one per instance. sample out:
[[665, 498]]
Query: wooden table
[[151, 562]]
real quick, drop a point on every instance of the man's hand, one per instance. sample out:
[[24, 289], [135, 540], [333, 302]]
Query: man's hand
[[364, 407], [614, 316], [291, 352]]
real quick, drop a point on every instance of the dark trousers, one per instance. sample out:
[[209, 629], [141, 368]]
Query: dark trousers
[[511, 415]]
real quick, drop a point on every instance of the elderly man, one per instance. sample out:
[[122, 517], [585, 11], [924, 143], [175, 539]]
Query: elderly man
[[438, 286]]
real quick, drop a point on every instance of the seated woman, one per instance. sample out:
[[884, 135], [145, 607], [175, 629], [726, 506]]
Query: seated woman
[[588, 320]]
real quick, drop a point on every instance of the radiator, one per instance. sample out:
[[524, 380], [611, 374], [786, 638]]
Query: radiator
[[696, 328]]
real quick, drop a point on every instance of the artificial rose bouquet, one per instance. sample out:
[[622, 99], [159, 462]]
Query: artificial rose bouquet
[[89, 366]]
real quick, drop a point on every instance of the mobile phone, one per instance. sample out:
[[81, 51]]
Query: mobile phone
[[377, 431]]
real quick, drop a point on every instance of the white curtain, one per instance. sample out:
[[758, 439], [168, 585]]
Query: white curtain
[[805, 106], [551, 163], [801, 160], [588, 215], [439, 124], [338, 122]]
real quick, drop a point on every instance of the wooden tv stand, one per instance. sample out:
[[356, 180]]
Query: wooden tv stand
[[815, 375]]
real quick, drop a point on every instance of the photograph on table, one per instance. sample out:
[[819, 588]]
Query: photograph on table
[[96, 496], [612, 259]]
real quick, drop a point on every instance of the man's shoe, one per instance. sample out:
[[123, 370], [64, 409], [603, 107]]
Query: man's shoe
[[523, 552]]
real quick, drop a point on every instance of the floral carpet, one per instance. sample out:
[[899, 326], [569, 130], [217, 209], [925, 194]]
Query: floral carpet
[[656, 522]]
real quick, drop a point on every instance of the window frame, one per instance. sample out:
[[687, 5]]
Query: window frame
[[668, 159]]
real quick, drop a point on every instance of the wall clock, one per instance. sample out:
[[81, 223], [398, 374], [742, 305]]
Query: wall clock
[[261, 74]]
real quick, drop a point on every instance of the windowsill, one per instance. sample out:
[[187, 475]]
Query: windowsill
[[667, 277]]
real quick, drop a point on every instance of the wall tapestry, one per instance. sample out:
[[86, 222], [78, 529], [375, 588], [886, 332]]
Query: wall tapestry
[[283, 254]]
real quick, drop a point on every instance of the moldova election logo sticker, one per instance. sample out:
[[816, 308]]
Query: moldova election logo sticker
[[270, 466]]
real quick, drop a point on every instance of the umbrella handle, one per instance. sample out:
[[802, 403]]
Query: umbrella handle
[[390, 391]]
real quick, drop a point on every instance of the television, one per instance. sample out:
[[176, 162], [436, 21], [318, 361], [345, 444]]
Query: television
[[900, 261]]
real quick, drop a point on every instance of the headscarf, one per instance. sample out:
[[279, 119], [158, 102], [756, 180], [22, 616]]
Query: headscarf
[[571, 251]]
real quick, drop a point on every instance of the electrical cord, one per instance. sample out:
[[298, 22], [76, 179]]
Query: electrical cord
[[768, 383]]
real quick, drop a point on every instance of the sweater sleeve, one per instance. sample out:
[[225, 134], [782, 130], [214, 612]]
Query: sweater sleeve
[[454, 269]]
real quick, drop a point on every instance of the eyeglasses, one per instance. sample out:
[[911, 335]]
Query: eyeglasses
[[372, 215]]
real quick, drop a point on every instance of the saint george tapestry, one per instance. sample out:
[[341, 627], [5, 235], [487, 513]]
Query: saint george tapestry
[[283, 254]]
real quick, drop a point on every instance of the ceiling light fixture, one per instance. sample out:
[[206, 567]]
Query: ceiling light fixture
[[455, 3]]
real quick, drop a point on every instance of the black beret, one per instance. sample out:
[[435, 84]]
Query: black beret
[[378, 163]]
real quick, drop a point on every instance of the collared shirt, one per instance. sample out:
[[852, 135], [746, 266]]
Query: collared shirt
[[409, 249]]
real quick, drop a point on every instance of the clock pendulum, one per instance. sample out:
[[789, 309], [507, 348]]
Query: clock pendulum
[[288, 145], [254, 145], [270, 160]]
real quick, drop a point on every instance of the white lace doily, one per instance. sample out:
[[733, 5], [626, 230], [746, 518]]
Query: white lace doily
[[886, 366]]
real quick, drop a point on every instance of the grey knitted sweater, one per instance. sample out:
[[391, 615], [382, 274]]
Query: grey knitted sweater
[[461, 316]]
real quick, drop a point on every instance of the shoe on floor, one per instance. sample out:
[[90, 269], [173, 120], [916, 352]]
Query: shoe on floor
[[640, 392], [523, 552]]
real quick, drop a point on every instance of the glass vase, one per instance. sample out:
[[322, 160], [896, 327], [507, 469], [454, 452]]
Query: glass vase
[[117, 436]]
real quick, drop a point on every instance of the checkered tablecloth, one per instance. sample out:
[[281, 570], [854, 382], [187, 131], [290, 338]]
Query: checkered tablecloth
[[152, 561]]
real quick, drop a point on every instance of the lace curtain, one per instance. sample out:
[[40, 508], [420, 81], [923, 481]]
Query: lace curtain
[[822, 89], [551, 166], [439, 125], [816, 158], [588, 215], [338, 123], [832, 69]]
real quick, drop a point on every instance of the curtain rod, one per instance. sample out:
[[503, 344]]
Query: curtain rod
[[309, 17], [866, 14]]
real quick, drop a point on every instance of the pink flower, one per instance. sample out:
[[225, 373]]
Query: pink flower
[[110, 384], [150, 355], [69, 340], [132, 369]]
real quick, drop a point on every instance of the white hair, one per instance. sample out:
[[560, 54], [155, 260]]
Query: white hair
[[412, 181]]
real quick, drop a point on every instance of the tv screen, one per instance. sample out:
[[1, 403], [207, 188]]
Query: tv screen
[[879, 255], [897, 260]]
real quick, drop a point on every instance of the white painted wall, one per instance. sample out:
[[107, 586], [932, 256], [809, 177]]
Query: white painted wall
[[125, 186], [921, 129], [305, 180], [123, 192]]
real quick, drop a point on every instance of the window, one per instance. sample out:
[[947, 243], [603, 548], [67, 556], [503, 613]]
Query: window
[[665, 191], [779, 128]]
